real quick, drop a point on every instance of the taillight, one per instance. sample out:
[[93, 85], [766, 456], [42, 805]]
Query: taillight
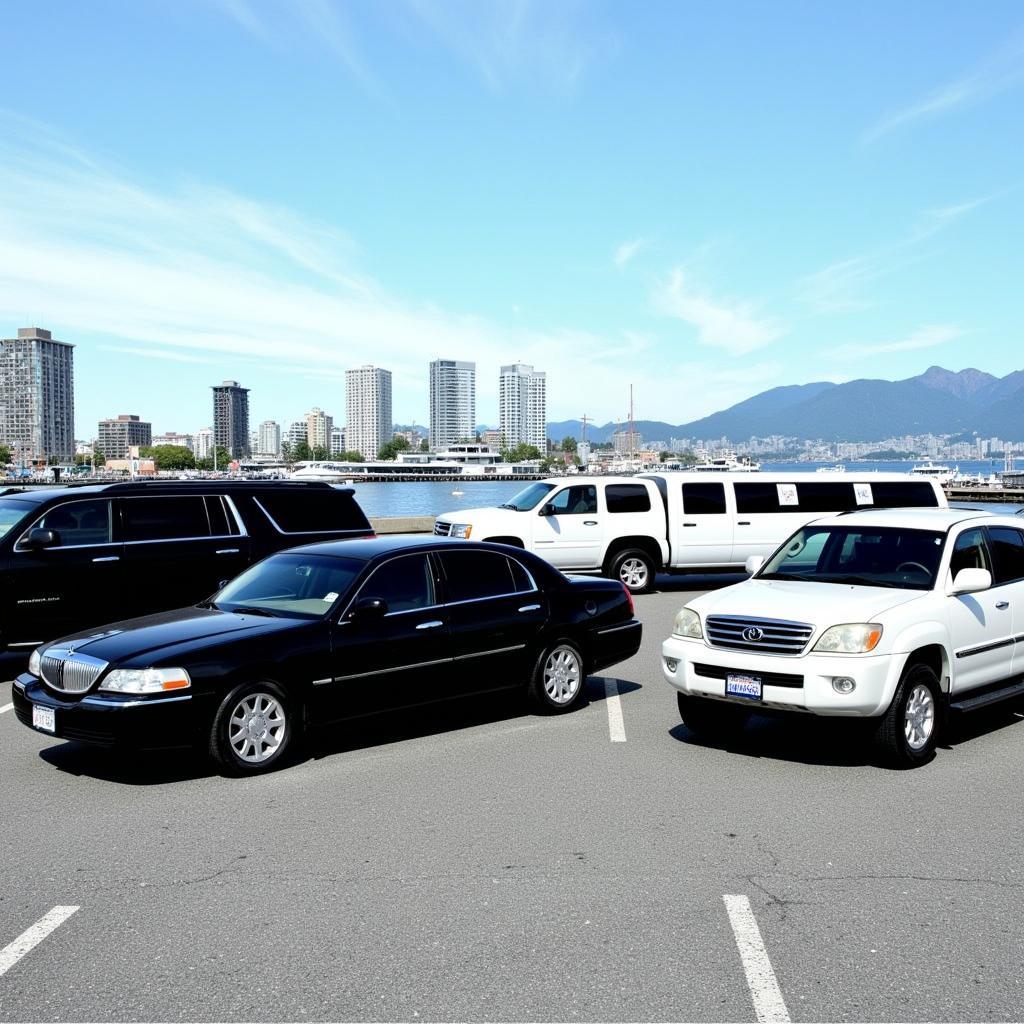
[[629, 598]]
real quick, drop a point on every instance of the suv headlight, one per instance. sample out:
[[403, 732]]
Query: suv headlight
[[146, 680], [850, 638], [462, 530], [33, 662], [688, 624]]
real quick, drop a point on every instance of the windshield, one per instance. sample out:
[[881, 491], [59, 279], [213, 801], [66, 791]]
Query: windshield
[[528, 497], [11, 513], [292, 585], [860, 555]]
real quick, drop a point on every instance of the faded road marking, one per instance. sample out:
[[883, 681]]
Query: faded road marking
[[764, 988]]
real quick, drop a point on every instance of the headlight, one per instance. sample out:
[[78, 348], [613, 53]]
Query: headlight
[[462, 530], [850, 638], [688, 624], [33, 662], [146, 680]]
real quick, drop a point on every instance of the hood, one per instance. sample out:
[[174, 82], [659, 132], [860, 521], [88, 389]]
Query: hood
[[150, 638], [823, 604]]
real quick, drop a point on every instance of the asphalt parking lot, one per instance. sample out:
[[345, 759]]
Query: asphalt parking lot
[[476, 862]]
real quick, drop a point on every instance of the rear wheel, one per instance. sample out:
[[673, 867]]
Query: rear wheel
[[634, 569], [713, 719], [907, 732], [253, 729], [557, 681]]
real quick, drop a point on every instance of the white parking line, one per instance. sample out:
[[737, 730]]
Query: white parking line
[[616, 727], [764, 988], [31, 937], [6, 707]]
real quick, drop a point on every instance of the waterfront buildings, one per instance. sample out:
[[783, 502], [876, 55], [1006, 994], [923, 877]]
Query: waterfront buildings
[[337, 445], [522, 406], [117, 436], [176, 439], [318, 429], [452, 402], [37, 397], [626, 442], [368, 416], [491, 437], [204, 443], [298, 431], [231, 418], [269, 439]]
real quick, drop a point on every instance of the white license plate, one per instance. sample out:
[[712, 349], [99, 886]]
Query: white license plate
[[44, 718], [743, 686]]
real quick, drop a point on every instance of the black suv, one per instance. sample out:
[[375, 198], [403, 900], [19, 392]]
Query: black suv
[[75, 557]]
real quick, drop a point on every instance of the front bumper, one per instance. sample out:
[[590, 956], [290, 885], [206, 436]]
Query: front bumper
[[117, 720], [803, 683]]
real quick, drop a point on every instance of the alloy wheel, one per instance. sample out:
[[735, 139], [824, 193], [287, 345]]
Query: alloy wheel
[[563, 675], [256, 727]]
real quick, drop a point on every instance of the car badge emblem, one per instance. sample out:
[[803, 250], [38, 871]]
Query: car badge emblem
[[752, 634]]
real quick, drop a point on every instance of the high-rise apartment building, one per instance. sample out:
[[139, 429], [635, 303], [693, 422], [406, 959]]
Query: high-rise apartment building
[[522, 406], [297, 433], [204, 443], [369, 424], [116, 436], [269, 439], [452, 402], [231, 418], [318, 428], [337, 445], [37, 396], [176, 439]]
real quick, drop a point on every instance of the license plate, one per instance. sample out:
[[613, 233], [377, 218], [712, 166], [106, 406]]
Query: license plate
[[748, 687], [44, 718]]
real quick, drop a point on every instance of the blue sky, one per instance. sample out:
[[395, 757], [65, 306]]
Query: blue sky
[[702, 200]]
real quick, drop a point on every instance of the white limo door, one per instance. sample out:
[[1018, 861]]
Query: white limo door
[[706, 536], [766, 514], [981, 624], [569, 535]]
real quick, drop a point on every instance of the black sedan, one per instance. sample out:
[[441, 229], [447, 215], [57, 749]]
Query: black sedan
[[325, 632]]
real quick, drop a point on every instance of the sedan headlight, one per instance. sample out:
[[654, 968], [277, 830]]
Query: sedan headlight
[[688, 624], [146, 680], [33, 662], [462, 530], [850, 638]]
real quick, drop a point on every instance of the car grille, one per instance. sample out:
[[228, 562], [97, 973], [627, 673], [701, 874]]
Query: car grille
[[768, 678], [442, 529], [765, 636], [68, 672]]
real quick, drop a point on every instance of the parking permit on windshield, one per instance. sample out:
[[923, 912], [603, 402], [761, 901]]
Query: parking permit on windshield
[[329, 598]]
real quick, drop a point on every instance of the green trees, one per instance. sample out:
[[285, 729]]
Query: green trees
[[223, 459], [569, 444], [521, 453], [388, 452], [170, 456], [5, 454]]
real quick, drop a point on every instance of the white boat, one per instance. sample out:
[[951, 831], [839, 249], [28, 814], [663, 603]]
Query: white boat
[[725, 462], [943, 474], [837, 468]]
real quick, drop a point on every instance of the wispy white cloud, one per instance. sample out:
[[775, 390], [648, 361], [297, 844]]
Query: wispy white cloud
[[156, 353], [929, 336], [735, 327], [1002, 70], [627, 250]]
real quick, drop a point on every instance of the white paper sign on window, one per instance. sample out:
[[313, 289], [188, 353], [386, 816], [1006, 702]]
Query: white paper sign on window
[[863, 494], [787, 494]]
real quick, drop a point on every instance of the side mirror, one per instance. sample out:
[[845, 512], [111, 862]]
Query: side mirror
[[752, 564], [221, 584], [970, 581], [547, 510], [369, 608], [38, 539]]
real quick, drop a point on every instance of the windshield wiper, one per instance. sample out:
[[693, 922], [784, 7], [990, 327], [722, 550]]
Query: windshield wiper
[[207, 604], [515, 508], [863, 581], [246, 609], [807, 577]]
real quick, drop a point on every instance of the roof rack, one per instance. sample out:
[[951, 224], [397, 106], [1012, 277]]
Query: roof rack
[[133, 485]]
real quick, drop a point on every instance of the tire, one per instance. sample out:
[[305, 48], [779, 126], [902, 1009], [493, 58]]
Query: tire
[[556, 685], [634, 569], [907, 732], [254, 728], [712, 719]]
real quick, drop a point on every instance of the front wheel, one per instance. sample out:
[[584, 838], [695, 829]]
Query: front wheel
[[254, 727], [634, 569], [907, 732], [557, 681], [714, 719]]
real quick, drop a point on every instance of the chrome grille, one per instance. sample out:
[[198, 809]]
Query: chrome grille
[[764, 636], [62, 669], [442, 529]]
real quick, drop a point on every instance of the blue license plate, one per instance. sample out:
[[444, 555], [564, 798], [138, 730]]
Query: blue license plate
[[748, 687]]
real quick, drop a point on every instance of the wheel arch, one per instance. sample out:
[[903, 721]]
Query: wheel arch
[[644, 542], [514, 542]]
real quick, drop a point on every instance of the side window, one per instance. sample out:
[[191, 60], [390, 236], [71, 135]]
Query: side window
[[222, 523], [970, 552], [165, 518], [760, 497], [575, 501], [831, 496], [1007, 547], [704, 499], [312, 511], [627, 498], [897, 494], [79, 522], [472, 575], [405, 583], [521, 579]]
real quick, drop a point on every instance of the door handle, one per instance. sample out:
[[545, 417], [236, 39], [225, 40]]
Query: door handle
[[1002, 604], [227, 551], [530, 608], [689, 524], [108, 558], [590, 522], [743, 522], [433, 624]]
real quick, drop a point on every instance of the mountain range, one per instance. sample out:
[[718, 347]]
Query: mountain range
[[937, 401]]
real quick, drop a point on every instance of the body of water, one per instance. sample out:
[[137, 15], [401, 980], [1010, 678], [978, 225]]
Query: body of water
[[432, 498]]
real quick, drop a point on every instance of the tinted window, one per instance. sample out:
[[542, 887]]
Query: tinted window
[[405, 583], [472, 575], [627, 498], [575, 501], [900, 494], [11, 513], [1007, 548], [304, 586], [760, 497], [312, 511], [528, 497], [831, 496], [520, 577], [704, 499], [165, 518], [79, 522], [970, 552], [221, 524]]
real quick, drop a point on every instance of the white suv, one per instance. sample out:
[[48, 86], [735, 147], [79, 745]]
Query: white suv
[[893, 615]]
